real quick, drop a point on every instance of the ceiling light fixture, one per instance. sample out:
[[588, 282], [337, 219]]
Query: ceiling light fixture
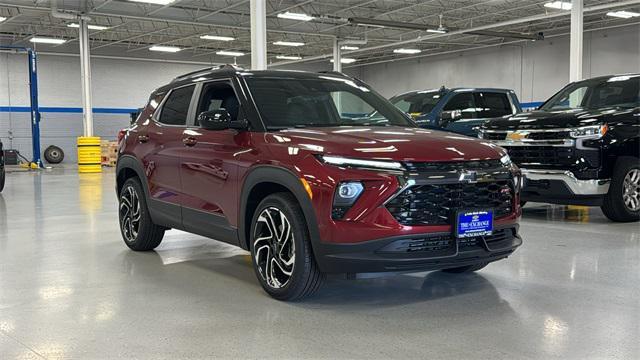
[[229, 53], [2, 18], [217, 37], [560, 5], [346, 60], [170, 49], [347, 47], [91, 27], [154, 2], [288, 43], [45, 40], [437, 31], [295, 16], [407, 51], [623, 14], [288, 57]]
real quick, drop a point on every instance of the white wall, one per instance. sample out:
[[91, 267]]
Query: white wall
[[535, 70]]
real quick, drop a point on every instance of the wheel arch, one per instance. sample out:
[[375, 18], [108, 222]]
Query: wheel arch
[[127, 167], [264, 180]]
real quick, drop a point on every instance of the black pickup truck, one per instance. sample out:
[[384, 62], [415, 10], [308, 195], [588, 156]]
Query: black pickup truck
[[580, 147]]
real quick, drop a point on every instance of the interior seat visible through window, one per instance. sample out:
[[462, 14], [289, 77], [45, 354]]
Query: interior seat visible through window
[[217, 96]]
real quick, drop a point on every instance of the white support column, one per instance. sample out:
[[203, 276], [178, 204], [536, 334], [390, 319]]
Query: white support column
[[258, 14], [575, 51], [85, 68], [337, 56]]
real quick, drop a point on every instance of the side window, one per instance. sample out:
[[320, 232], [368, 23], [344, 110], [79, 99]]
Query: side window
[[349, 105], [463, 102], [219, 95], [494, 105], [175, 109]]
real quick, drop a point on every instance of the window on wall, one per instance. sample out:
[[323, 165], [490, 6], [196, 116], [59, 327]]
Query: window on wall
[[176, 107]]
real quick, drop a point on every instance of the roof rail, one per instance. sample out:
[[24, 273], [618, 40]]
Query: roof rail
[[206, 70]]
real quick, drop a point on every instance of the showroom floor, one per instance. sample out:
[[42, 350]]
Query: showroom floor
[[69, 288]]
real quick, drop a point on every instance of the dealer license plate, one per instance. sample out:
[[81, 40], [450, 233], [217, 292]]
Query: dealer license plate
[[470, 223]]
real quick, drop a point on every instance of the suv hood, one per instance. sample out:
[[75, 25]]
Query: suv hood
[[386, 143], [539, 119]]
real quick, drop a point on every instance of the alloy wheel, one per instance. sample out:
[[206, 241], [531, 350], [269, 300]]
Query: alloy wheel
[[130, 214], [274, 247], [631, 190]]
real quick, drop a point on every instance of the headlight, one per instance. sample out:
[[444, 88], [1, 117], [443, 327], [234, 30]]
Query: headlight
[[346, 195], [480, 134], [592, 131], [373, 164], [505, 160]]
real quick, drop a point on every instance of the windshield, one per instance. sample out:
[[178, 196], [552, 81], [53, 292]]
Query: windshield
[[326, 101], [417, 103], [617, 91]]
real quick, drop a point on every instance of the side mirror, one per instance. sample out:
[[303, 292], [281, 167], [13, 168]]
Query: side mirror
[[449, 116], [215, 119]]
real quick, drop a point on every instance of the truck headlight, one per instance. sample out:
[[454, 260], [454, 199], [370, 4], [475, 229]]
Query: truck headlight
[[347, 193], [480, 134], [591, 131]]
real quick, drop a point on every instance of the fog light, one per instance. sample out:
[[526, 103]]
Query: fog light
[[346, 195]]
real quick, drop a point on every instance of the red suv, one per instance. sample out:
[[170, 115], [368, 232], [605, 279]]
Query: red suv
[[313, 173]]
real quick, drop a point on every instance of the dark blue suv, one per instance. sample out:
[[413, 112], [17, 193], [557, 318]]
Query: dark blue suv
[[459, 110]]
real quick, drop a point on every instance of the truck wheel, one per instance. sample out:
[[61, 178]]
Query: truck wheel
[[138, 230], [622, 202], [54, 155], [466, 269], [281, 249]]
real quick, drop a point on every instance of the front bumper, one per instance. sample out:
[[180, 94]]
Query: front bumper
[[562, 187], [418, 252]]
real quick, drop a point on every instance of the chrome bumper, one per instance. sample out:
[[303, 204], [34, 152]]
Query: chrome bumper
[[578, 187]]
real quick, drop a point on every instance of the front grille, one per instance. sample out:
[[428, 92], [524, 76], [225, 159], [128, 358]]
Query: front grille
[[551, 135], [452, 166], [549, 156], [436, 204], [494, 136], [444, 244]]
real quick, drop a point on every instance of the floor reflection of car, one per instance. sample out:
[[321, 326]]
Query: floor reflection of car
[[460, 110], [581, 147]]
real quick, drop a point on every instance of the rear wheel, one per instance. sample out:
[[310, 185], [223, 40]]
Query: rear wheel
[[622, 202], [138, 230], [281, 249], [466, 269]]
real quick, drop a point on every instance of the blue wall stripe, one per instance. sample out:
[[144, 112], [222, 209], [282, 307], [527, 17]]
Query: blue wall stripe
[[72, 110], [533, 104]]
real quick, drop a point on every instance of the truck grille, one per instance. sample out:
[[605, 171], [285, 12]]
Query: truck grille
[[445, 244], [561, 134], [549, 156], [436, 204]]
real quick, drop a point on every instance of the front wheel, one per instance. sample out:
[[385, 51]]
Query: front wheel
[[622, 202], [281, 249], [138, 230]]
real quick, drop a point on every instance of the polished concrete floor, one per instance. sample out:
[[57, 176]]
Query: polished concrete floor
[[69, 288]]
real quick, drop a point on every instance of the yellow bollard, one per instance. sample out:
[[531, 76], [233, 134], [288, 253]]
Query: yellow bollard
[[89, 155]]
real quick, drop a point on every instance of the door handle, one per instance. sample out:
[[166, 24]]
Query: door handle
[[189, 141], [143, 138]]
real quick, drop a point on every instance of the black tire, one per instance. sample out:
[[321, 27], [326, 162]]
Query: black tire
[[305, 277], [53, 154], [613, 205], [146, 235], [466, 269]]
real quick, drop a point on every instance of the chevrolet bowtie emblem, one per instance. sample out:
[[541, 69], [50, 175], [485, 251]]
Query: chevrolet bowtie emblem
[[517, 135], [468, 176]]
